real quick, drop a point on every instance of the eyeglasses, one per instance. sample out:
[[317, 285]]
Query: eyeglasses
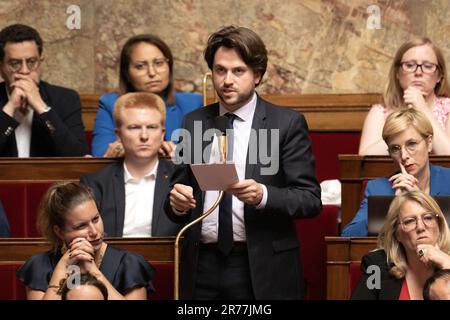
[[158, 65], [15, 65], [411, 146], [410, 224], [411, 66]]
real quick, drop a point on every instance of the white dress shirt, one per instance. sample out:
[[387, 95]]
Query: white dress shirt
[[242, 127], [139, 196]]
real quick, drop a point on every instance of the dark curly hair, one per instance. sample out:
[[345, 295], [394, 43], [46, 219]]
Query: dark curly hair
[[16, 33], [246, 42]]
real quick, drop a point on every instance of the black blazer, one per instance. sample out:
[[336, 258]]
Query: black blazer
[[390, 286], [109, 189], [293, 192], [56, 133]]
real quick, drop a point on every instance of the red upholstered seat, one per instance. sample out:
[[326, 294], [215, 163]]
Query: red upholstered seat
[[326, 147], [89, 140], [163, 282], [21, 203], [11, 287], [311, 234]]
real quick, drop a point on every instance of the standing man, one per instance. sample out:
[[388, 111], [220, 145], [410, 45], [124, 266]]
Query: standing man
[[130, 193], [263, 259], [37, 119]]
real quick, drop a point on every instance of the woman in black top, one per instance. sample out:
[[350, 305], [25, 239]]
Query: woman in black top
[[69, 218]]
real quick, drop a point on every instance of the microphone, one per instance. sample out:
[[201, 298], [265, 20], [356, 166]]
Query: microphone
[[222, 123]]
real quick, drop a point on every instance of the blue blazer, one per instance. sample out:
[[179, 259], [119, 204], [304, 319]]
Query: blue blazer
[[104, 129], [439, 185]]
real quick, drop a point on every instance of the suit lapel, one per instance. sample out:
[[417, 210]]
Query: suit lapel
[[36, 148], [10, 149], [259, 122], [119, 198], [3, 95], [161, 186], [208, 123]]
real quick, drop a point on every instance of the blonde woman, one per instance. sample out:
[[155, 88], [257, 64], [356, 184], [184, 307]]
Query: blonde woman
[[414, 242], [417, 79], [408, 135]]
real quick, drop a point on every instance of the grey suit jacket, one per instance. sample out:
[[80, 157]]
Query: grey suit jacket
[[109, 189], [293, 192]]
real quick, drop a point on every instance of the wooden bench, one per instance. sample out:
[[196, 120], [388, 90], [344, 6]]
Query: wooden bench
[[343, 260], [158, 251], [24, 181], [323, 112]]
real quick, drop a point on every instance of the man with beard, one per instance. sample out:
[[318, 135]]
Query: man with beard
[[247, 248]]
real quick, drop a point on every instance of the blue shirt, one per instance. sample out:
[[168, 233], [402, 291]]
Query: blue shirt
[[439, 185], [104, 129]]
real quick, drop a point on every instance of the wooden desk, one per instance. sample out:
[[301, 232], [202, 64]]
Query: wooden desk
[[356, 169], [155, 250], [340, 253], [49, 169], [323, 112]]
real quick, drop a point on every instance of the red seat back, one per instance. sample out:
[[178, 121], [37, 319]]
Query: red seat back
[[311, 234], [327, 146], [163, 282], [11, 287], [21, 203]]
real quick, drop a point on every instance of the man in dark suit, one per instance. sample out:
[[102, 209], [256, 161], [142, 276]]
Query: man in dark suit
[[247, 248], [130, 193], [37, 119]]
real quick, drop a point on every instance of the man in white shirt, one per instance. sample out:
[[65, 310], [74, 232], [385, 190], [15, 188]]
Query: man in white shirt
[[247, 248], [37, 119], [130, 193]]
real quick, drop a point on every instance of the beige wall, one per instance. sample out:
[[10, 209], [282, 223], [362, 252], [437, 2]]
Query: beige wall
[[314, 46]]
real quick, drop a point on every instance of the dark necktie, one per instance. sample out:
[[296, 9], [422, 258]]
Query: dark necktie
[[225, 236]]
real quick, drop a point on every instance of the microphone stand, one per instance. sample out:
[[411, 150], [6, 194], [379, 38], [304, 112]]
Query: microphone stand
[[223, 156]]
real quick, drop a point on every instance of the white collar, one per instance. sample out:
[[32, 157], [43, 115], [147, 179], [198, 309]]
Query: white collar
[[128, 177]]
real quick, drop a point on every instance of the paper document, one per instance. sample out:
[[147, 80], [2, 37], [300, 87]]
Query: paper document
[[215, 176]]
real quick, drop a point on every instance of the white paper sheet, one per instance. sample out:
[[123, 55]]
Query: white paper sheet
[[215, 176]]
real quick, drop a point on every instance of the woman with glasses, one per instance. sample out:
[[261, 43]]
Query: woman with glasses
[[408, 135], [417, 79], [413, 243], [146, 65]]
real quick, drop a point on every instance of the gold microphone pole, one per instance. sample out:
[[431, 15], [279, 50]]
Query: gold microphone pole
[[223, 155]]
